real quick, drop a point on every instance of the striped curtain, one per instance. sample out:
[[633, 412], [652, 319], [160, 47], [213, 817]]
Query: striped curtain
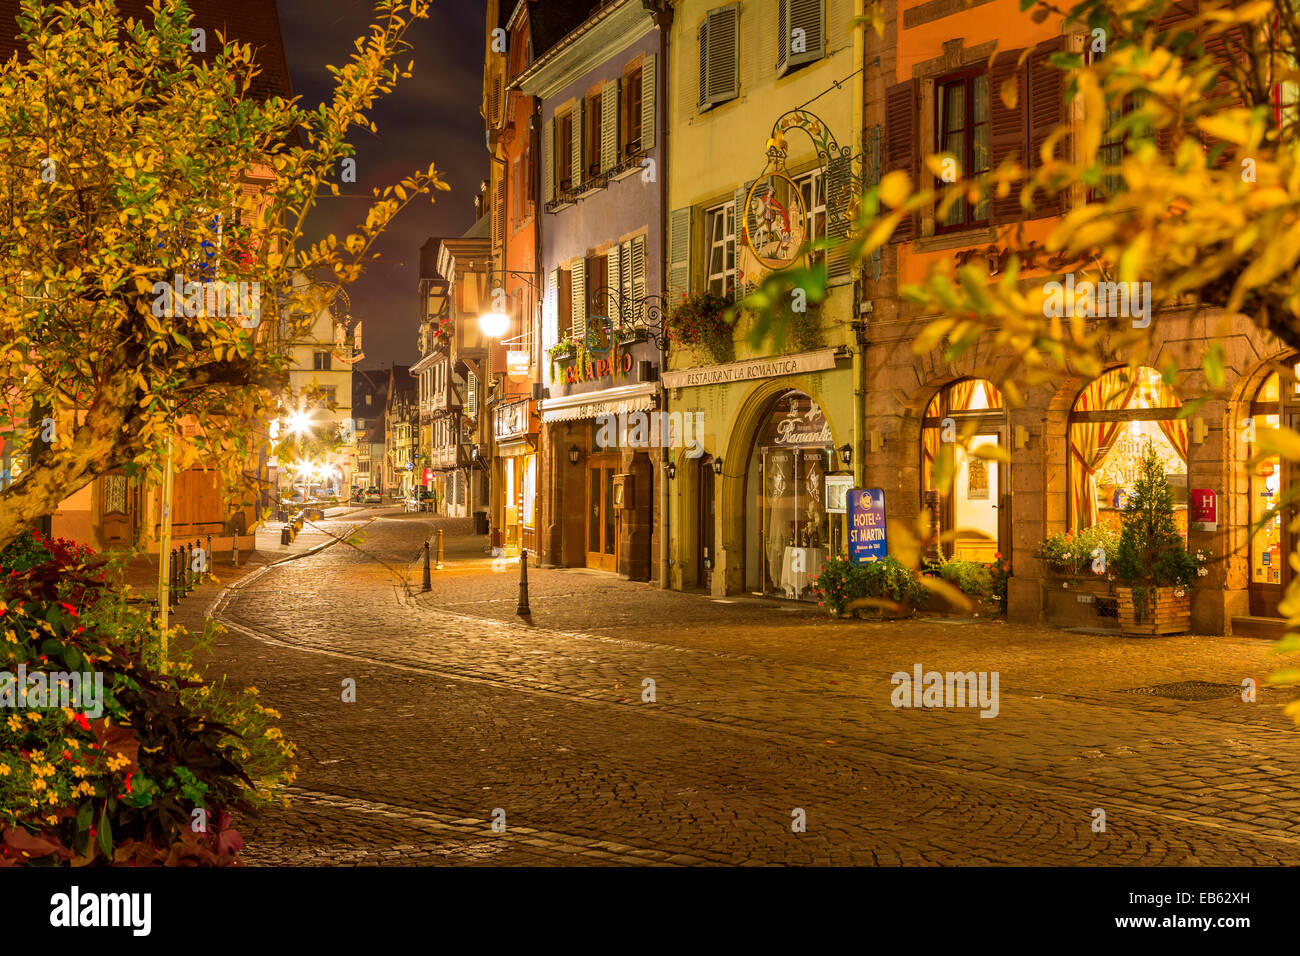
[[1091, 442], [1175, 429]]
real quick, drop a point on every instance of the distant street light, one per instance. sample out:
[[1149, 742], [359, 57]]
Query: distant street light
[[493, 324]]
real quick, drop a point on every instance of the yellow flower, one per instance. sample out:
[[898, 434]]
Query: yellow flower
[[34, 716], [52, 820], [38, 784], [5, 770], [118, 762], [54, 798], [15, 724], [79, 771], [11, 637], [84, 788], [273, 733]]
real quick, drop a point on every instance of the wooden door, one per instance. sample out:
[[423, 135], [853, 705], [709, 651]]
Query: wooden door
[[602, 517], [706, 550]]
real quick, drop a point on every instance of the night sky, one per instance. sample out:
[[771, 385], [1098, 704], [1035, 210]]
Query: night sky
[[431, 117]]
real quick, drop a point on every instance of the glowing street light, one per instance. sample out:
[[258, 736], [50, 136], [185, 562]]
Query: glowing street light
[[299, 422], [493, 324]]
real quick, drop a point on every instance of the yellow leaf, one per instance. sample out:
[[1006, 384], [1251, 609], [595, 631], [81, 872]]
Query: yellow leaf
[[894, 188]]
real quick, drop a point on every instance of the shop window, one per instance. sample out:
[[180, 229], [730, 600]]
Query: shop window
[[793, 452], [970, 519], [1113, 420]]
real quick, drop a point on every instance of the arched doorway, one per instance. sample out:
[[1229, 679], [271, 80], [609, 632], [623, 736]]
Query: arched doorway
[[1276, 403], [974, 516], [706, 549], [787, 528], [1113, 419]]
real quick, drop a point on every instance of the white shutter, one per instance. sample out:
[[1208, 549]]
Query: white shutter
[[630, 301], [807, 22], [648, 103], [609, 125], [579, 128], [741, 198], [548, 161], [679, 255], [550, 319], [613, 272], [579, 299], [638, 269]]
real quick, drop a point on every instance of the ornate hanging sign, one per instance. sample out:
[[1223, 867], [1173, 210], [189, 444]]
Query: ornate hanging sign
[[775, 220]]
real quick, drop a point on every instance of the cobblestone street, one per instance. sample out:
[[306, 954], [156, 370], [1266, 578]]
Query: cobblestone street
[[760, 709]]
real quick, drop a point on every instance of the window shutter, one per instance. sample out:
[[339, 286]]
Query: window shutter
[[548, 161], [1007, 130], [783, 38], [720, 55], [808, 16], [703, 36], [839, 207], [1224, 47], [609, 126], [1176, 13], [499, 210], [900, 144], [647, 103], [740, 197], [613, 279], [578, 292], [679, 255], [625, 271], [638, 269], [1046, 86], [579, 129]]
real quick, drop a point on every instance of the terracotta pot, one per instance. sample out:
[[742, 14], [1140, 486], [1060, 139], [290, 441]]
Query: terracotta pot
[[1164, 612]]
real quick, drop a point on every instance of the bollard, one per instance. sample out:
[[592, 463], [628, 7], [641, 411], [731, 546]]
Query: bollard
[[428, 584], [188, 570], [523, 610], [234, 549], [284, 534], [173, 592], [208, 559], [438, 566]]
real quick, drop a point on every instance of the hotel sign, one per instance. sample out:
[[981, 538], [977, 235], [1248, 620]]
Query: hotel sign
[[750, 370]]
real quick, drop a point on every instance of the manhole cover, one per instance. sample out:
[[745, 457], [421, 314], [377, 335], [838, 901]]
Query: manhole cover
[[1189, 690]]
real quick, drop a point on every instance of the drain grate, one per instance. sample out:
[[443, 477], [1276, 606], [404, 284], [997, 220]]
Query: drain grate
[[1189, 690]]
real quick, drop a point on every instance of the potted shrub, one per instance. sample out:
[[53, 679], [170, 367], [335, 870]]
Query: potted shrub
[[1152, 565], [700, 321], [887, 586]]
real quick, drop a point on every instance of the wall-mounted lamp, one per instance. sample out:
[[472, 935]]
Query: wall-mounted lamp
[[575, 453], [1021, 437], [671, 468], [875, 441], [1199, 431], [717, 466], [846, 453]]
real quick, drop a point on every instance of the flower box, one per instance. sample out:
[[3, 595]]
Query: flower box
[[1165, 611]]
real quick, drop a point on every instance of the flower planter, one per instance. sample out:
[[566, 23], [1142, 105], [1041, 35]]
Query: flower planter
[[1072, 600], [1166, 611]]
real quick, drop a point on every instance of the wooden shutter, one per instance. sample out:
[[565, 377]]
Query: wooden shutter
[[564, 302], [626, 295], [900, 144], [499, 210], [578, 130], [613, 279], [1224, 47], [1046, 86], [679, 255], [740, 198], [720, 55], [805, 15], [638, 270], [548, 161], [578, 291], [1007, 131], [648, 103], [839, 206], [550, 310], [1168, 25], [609, 125]]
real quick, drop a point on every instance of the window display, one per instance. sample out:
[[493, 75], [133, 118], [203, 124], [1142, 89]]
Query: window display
[[970, 511]]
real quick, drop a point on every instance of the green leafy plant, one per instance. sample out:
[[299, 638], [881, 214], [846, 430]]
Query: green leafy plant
[[150, 773], [1073, 553], [1151, 553], [844, 584], [700, 321]]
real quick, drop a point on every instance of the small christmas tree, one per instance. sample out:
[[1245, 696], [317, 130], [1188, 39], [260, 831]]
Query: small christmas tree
[[1152, 553]]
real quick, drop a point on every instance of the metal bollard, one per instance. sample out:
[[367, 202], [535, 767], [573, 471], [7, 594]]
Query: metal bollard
[[438, 566], [523, 610], [173, 592], [188, 570], [208, 559], [428, 584], [234, 549]]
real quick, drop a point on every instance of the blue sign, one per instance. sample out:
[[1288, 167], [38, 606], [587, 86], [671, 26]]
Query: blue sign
[[867, 524]]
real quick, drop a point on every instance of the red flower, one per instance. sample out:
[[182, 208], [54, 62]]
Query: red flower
[[81, 721], [68, 607]]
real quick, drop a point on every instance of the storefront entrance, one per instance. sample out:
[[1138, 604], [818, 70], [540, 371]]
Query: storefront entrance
[[1276, 404], [706, 549], [793, 453], [602, 516]]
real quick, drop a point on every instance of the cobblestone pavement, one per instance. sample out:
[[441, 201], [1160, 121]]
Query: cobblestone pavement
[[761, 709]]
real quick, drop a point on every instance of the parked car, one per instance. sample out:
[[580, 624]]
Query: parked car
[[357, 493], [372, 496]]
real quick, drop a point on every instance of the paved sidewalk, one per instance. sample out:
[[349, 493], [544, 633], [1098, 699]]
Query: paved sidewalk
[[759, 711]]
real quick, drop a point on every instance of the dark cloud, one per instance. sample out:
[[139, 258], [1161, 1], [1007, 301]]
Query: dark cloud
[[432, 117]]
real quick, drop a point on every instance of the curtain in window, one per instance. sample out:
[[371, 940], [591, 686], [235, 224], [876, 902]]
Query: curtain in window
[[1091, 442], [1175, 429]]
